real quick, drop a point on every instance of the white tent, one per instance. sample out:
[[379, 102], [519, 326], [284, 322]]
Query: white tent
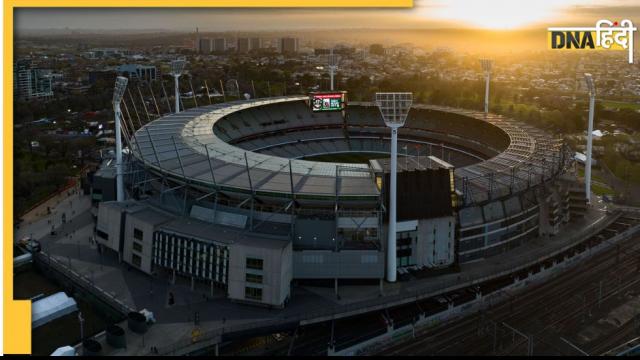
[[51, 308], [64, 351], [580, 157]]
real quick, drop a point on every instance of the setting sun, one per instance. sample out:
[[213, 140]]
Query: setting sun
[[494, 14]]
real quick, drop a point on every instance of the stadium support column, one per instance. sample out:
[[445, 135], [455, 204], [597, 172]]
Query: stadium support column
[[177, 92], [119, 180], [394, 108], [333, 66], [486, 67], [391, 242], [587, 170], [177, 66], [486, 93], [331, 74], [118, 93], [587, 167]]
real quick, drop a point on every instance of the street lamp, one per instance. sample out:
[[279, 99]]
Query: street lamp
[[118, 93], [486, 67], [177, 66], [394, 108], [333, 66], [587, 168], [81, 320]]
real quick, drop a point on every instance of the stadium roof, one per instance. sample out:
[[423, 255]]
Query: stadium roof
[[186, 148], [178, 145]]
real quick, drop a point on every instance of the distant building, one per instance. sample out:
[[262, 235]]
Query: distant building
[[341, 50], [30, 82], [136, 71], [219, 45], [255, 44], [319, 52], [204, 45], [288, 45], [376, 49], [105, 52], [243, 45]]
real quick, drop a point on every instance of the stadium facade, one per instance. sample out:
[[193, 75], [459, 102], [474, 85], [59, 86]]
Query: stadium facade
[[223, 195]]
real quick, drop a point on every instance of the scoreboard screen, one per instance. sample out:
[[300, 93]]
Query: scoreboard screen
[[328, 101]]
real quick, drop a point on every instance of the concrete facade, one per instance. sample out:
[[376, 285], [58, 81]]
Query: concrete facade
[[108, 226], [344, 264], [137, 247], [272, 280], [436, 242], [148, 239]]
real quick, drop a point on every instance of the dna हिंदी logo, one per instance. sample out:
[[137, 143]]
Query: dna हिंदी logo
[[606, 35]]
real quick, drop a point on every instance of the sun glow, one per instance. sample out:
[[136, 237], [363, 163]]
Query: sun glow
[[494, 14]]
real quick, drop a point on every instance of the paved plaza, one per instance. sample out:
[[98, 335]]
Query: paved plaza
[[73, 246]]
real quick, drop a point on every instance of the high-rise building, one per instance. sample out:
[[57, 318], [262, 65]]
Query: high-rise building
[[255, 43], [204, 45], [243, 45], [376, 49], [136, 71], [288, 45], [30, 82], [219, 45]]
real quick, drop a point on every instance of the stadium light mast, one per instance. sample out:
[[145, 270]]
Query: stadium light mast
[[177, 66], [333, 66], [486, 67], [394, 108], [587, 167], [118, 93]]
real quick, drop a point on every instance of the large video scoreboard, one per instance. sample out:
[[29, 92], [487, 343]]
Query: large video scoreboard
[[328, 101]]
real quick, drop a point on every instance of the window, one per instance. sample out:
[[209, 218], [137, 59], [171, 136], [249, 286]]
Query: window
[[137, 234], [102, 234], [253, 293], [403, 252], [137, 246], [136, 260], [255, 264], [253, 278], [312, 259]]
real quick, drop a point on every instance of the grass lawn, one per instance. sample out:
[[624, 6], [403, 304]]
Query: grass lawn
[[620, 105], [594, 177], [601, 189]]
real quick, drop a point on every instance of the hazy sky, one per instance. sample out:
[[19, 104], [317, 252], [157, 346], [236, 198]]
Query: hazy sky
[[500, 14]]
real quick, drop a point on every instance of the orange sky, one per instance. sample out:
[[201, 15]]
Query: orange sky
[[491, 14]]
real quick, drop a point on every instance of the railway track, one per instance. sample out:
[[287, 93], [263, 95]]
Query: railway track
[[546, 311]]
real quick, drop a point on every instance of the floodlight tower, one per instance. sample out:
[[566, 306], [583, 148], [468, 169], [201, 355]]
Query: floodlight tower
[[177, 66], [118, 93], [333, 66], [486, 67], [394, 108], [587, 167]]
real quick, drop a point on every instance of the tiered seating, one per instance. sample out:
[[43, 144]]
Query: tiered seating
[[518, 155]]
